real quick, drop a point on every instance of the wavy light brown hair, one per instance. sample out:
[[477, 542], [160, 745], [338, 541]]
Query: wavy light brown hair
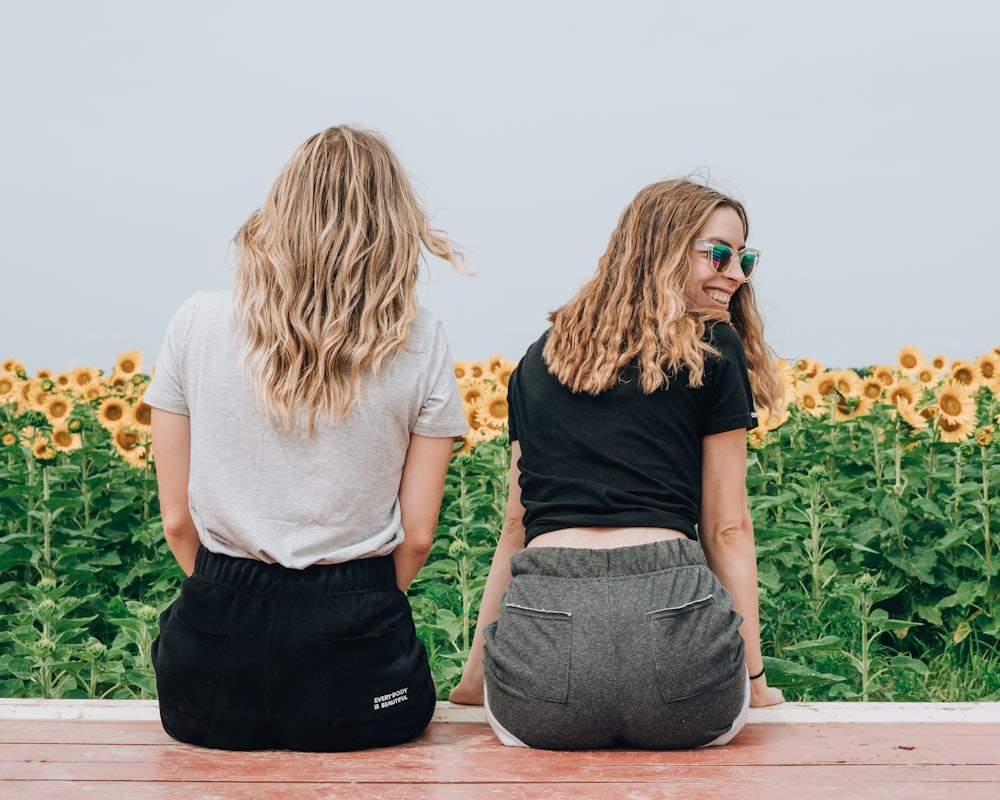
[[636, 307], [325, 274]]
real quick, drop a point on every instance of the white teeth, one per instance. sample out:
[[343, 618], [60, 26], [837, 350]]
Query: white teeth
[[719, 297]]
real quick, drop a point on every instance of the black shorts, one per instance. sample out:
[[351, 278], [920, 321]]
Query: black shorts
[[255, 656]]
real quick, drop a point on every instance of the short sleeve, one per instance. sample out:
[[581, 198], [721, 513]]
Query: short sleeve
[[166, 390], [729, 399], [441, 413], [512, 393]]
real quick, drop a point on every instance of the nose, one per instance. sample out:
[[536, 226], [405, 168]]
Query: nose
[[734, 271]]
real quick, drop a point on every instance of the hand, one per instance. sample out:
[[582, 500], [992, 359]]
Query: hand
[[762, 695], [467, 693]]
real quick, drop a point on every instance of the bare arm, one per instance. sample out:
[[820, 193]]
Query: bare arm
[[470, 688], [726, 534], [420, 489], [172, 447]]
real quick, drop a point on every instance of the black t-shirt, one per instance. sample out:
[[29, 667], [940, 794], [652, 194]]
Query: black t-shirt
[[622, 458]]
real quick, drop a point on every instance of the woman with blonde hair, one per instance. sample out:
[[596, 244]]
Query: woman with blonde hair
[[603, 622], [303, 425]]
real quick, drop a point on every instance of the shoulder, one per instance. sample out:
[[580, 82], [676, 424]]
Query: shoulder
[[728, 342], [206, 305]]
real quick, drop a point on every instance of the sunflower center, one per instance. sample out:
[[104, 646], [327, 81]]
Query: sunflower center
[[951, 405]]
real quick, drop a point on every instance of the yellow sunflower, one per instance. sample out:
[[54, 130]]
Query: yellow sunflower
[[128, 363], [64, 439], [467, 442], [884, 374], [956, 412], [63, 380], [811, 400], [850, 406], [988, 369], [826, 383], [8, 386], [461, 370], [58, 407], [112, 413], [477, 369], [787, 378], [847, 382], [81, 378], [13, 366], [757, 437], [808, 367], [903, 391], [955, 400], [125, 439], [472, 390], [771, 419], [963, 372], [141, 414], [940, 363], [910, 358], [984, 436], [872, 389], [955, 430], [117, 384], [137, 457], [491, 412], [44, 375], [909, 414], [926, 375], [41, 448], [8, 438]]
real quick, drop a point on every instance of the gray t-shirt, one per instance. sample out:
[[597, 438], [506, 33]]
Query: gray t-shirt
[[259, 491]]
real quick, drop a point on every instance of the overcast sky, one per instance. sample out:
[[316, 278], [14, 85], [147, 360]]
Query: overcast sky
[[863, 137]]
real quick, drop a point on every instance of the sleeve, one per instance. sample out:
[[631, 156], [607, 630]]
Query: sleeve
[[729, 399], [441, 413], [166, 389], [511, 405]]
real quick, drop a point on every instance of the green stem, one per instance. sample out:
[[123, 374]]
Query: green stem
[[987, 545]]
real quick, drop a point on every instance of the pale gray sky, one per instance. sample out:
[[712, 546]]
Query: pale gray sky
[[861, 135]]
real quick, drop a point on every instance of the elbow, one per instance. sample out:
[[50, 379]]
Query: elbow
[[726, 535], [419, 546], [177, 527]]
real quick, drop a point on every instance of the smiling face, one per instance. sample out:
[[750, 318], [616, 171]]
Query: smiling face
[[705, 287]]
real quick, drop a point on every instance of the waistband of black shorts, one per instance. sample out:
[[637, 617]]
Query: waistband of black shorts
[[247, 574]]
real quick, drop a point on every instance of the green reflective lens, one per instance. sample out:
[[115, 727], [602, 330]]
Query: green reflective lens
[[721, 256], [747, 263]]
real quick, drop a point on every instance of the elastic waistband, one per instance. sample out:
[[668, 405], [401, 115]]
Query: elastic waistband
[[585, 562], [251, 575]]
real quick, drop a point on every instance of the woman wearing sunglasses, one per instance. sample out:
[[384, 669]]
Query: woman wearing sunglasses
[[303, 425], [621, 606]]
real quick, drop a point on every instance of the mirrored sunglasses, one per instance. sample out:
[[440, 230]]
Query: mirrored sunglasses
[[721, 255]]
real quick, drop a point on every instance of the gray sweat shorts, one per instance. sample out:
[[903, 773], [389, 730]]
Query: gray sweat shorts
[[632, 646]]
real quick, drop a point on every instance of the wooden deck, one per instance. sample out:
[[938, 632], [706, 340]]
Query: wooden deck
[[58, 750]]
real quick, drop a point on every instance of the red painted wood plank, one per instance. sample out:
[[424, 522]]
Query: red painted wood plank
[[742, 789], [468, 743]]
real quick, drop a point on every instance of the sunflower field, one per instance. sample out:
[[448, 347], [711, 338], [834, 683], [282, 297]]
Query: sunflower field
[[874, 495]]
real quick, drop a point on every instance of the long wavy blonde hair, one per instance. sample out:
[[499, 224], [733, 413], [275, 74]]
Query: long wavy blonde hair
[[325, 274], [636, 307]]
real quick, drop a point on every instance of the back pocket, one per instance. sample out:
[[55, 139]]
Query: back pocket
[[374, 676], [529, 651], [188, 663], [693, 647]]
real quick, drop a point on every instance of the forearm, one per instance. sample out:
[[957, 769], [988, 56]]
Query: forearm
[[732, 557], [182, 539], [511, 540], [409, 558]]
